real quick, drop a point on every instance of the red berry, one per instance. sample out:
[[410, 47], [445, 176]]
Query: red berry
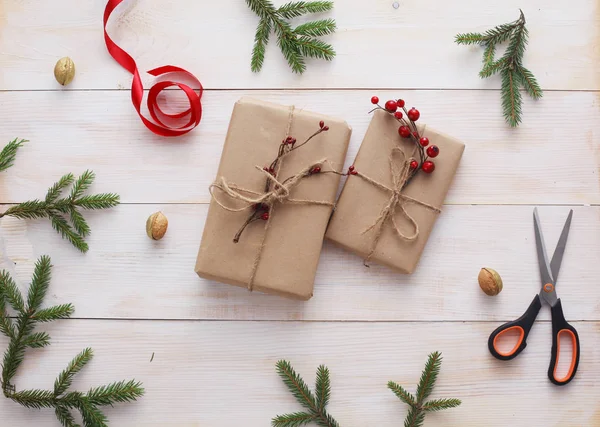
[[413, 114], [424, 141], [351, 169], [265, 216], [401, 103], [415, 134], [266, 169], [414, 164], [391, 106], [375, 100], [398, 115], [404, 132], [316, 169], [325, 128], [433, 151], [321, 124], [428, 166]]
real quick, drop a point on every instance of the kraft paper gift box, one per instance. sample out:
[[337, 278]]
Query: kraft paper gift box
[[361, 202], [279, 255]]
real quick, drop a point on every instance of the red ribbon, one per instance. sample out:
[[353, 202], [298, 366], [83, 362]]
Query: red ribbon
[[137, 89]]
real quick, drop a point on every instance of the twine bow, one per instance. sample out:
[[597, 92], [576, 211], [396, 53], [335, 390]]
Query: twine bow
[[400, 170], [279, 193]]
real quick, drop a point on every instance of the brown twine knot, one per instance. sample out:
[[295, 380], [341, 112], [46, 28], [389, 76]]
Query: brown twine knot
[[400, 170], [279, 192]]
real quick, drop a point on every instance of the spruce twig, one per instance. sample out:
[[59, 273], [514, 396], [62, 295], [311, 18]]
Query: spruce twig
[[298, 43], [514, 75], [20, 332], [65, 213], [417, 405], [315, 404], [9, 153]]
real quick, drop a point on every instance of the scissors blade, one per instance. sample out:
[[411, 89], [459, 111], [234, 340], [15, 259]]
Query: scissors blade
[[560, 248], [545, 272]]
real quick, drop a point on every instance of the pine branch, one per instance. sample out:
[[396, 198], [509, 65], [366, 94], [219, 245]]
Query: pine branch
[[39, 284], [295, 44], [64, 416], [320, 28], [261, 39], [429, 377], [63, 311], [298, 8], [11, 293], [510, 66], [316, 406], [57, 210], [322, 387], [37, 340], [292, 420], [65, 378], [511, 97], [9, 153], [22, 336], [440, 404], [417, 405], [529, 82], [402, 394]]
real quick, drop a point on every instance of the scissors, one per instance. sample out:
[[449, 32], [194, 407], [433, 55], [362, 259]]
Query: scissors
[[560, 327]]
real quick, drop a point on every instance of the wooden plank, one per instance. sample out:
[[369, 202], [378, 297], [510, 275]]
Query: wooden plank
[[377, 45], [199, 367], [127, 275], [550, 159]]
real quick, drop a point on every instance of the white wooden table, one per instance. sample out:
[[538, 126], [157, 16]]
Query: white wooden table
[[215, 346]]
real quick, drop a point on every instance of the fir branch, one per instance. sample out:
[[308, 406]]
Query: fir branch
[[417, 405], [320, 28], [322, 387], [510, 66], [316, 406], [440, 404], [298, 8], [64, 417], [57, 210], [295, 44], [295, 419], [511, 97], [9, 153], [11, 293], [42, 274], [63, 311], [65, 378], [22, 336], [37, 340], [429, 376], [402, 394], [261, 39]]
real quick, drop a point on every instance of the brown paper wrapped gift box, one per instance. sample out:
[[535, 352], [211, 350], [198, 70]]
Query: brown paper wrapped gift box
[[361, 203], [293, 242]]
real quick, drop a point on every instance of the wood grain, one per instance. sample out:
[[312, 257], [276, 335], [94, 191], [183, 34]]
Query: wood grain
[[378, 46], [550, 159], [222, 374], [127, 275]]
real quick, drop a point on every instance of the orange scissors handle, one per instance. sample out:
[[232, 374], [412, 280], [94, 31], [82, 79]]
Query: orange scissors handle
[[560, 327], [522, 325]]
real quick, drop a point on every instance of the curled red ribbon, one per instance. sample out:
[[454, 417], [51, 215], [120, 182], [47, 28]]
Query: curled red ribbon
[[137, 89]]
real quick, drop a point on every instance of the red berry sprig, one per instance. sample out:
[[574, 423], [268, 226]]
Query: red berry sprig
[[261, 210], [408, 130]]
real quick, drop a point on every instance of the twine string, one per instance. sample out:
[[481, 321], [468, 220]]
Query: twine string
[[401, 173]]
